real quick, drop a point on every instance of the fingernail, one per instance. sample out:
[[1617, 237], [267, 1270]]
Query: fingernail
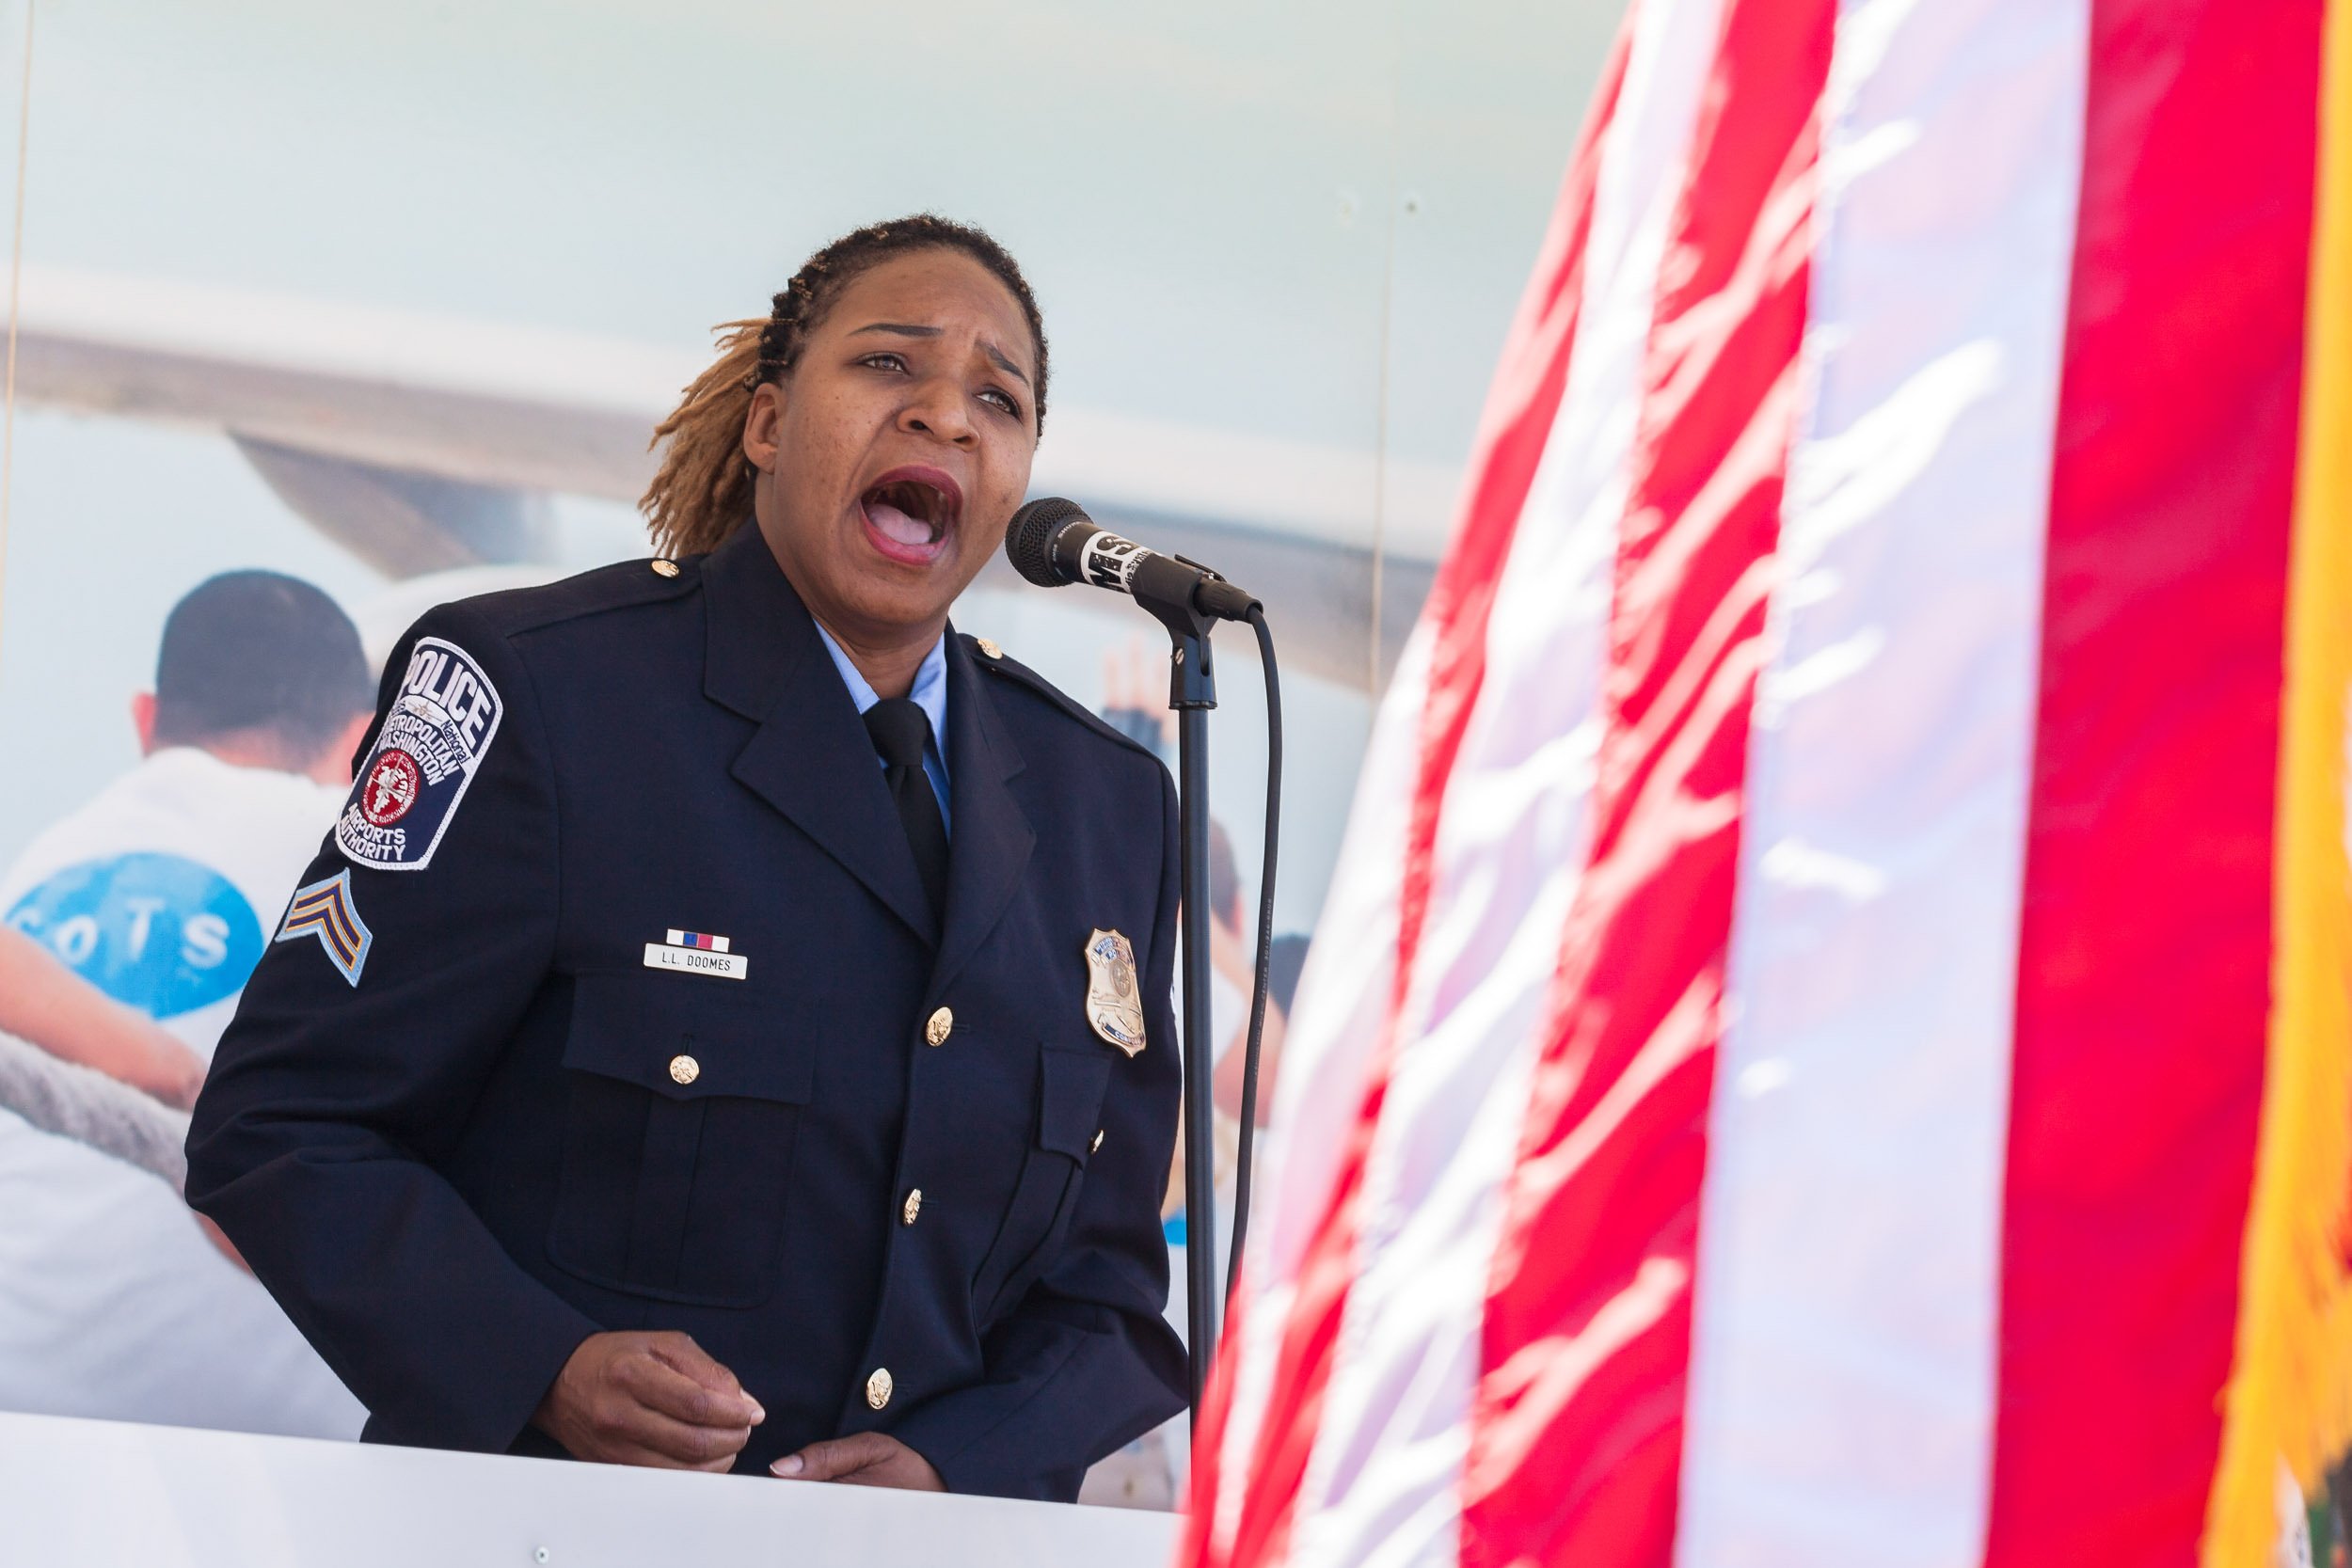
[[788, 1465], [759, 1412]]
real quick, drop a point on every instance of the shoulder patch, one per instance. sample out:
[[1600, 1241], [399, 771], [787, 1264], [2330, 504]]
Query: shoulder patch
[[440, 726], [1020, 674]]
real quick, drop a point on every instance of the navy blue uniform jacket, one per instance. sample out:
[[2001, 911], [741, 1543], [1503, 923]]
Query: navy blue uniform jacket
[[456, 1159]]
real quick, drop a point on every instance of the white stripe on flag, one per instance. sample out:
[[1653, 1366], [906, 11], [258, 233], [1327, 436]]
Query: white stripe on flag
[[1385, 1481], [1342, 1004], [1845, 1350]]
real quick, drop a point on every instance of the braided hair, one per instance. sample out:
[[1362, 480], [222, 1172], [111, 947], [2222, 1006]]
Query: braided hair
[[702, 492]]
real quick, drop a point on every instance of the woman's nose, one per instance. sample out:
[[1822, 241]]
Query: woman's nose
[[938, 409]]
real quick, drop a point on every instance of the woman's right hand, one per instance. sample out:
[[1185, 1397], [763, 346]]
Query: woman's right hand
[[652, 1399]]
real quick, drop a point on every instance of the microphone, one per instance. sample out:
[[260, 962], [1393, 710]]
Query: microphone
[[1052, 542]]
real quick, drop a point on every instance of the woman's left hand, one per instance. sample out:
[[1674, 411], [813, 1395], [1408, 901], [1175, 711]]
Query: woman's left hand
[[861, 1458]]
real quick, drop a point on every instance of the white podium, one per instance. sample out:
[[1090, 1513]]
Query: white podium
[[108, 1495]]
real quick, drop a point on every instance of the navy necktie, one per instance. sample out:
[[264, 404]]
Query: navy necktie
[[900, 727]]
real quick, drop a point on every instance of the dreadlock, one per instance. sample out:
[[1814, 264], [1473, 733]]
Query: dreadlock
[[703, 490]]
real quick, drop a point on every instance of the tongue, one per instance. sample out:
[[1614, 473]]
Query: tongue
[[897, 525]]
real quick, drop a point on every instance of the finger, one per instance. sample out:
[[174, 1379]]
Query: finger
[[679, 1351], [901, 1469], [817, 1461], [650, 1459], [642, 1436], [659, 1386], [831, 1459]]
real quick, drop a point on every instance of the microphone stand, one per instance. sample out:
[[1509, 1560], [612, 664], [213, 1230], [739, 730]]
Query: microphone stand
[[1045, 546], [1192, 692]]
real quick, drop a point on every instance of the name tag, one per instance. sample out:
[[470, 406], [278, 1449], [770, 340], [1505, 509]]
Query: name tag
[[696, 960]]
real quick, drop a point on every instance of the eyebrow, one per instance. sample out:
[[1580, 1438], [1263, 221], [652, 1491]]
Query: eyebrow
[[907, 329]]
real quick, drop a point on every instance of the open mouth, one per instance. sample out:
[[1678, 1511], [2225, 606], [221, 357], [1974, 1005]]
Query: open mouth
[[910, 514]]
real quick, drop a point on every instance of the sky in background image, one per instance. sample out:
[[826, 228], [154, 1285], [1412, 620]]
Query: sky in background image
[[1307, 222]]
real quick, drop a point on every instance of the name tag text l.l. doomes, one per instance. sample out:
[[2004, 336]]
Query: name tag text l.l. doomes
[[696, 960]]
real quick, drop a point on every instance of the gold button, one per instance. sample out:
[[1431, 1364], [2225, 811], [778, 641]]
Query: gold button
[[685, 1069], [1096, 1147], [878, 1388], [665, 569], [912, 1206], [991, 649], [941, 1023]]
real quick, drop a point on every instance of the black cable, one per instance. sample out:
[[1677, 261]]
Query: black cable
[[1265, 946]]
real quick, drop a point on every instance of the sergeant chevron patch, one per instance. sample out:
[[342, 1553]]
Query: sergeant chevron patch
[[326, 911]]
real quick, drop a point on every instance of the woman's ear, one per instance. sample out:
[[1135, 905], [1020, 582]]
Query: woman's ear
[[761, 426]]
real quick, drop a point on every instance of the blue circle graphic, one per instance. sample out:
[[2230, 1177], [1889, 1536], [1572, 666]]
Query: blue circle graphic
[[160, 932]]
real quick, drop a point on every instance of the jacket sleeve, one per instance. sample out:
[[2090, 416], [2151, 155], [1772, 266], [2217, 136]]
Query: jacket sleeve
[[337, 1087], [1085, 1363]]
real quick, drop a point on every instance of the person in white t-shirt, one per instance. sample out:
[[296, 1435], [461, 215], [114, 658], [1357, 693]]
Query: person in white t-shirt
[[161, 893]]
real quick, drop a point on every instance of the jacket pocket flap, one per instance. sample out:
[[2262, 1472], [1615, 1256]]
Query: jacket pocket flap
[[1069, 1101], [686, 1041]]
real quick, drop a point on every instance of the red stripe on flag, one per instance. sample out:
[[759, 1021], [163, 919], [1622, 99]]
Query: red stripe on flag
[[1520, 410], [1577, 1430], [2145, 935]]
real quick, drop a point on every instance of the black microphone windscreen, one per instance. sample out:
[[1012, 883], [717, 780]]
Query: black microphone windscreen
[[1030, 539]]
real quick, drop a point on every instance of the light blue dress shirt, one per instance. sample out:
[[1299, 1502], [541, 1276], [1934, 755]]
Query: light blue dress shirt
[[930, 693]]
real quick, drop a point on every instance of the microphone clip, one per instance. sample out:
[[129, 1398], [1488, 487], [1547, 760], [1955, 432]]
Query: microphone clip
[[1170, 584], [1168, 587]]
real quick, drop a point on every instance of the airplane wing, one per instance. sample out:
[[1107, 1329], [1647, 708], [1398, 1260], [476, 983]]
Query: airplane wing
[[428, 444]]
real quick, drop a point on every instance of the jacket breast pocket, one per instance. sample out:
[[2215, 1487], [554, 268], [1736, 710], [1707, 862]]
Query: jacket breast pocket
[[685, 1102], [1070, 1088]]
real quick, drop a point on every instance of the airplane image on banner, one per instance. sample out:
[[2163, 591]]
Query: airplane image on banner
[[429, 445]]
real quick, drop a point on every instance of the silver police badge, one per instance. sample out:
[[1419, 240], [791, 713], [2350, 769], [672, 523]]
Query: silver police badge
[[1114, 1002]]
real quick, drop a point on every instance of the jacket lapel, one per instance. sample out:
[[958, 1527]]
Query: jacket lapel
[[810, 758], [989, 834]]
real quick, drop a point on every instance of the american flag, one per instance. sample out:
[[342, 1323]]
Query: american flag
[[1829, 1043]]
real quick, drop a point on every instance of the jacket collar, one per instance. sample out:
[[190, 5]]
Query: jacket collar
[[812, 760], [759, 633]]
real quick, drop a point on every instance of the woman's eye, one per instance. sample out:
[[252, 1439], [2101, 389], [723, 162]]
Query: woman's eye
[[1004, 401], [884, 363]]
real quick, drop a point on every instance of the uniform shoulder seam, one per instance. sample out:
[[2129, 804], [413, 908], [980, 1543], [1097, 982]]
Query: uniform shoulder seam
[[619, 586], [1020, 674]]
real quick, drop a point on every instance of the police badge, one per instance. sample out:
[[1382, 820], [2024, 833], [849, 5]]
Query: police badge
[[1114, 1005]]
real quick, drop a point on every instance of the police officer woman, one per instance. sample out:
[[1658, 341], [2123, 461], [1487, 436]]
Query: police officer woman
[[727, 1028]]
